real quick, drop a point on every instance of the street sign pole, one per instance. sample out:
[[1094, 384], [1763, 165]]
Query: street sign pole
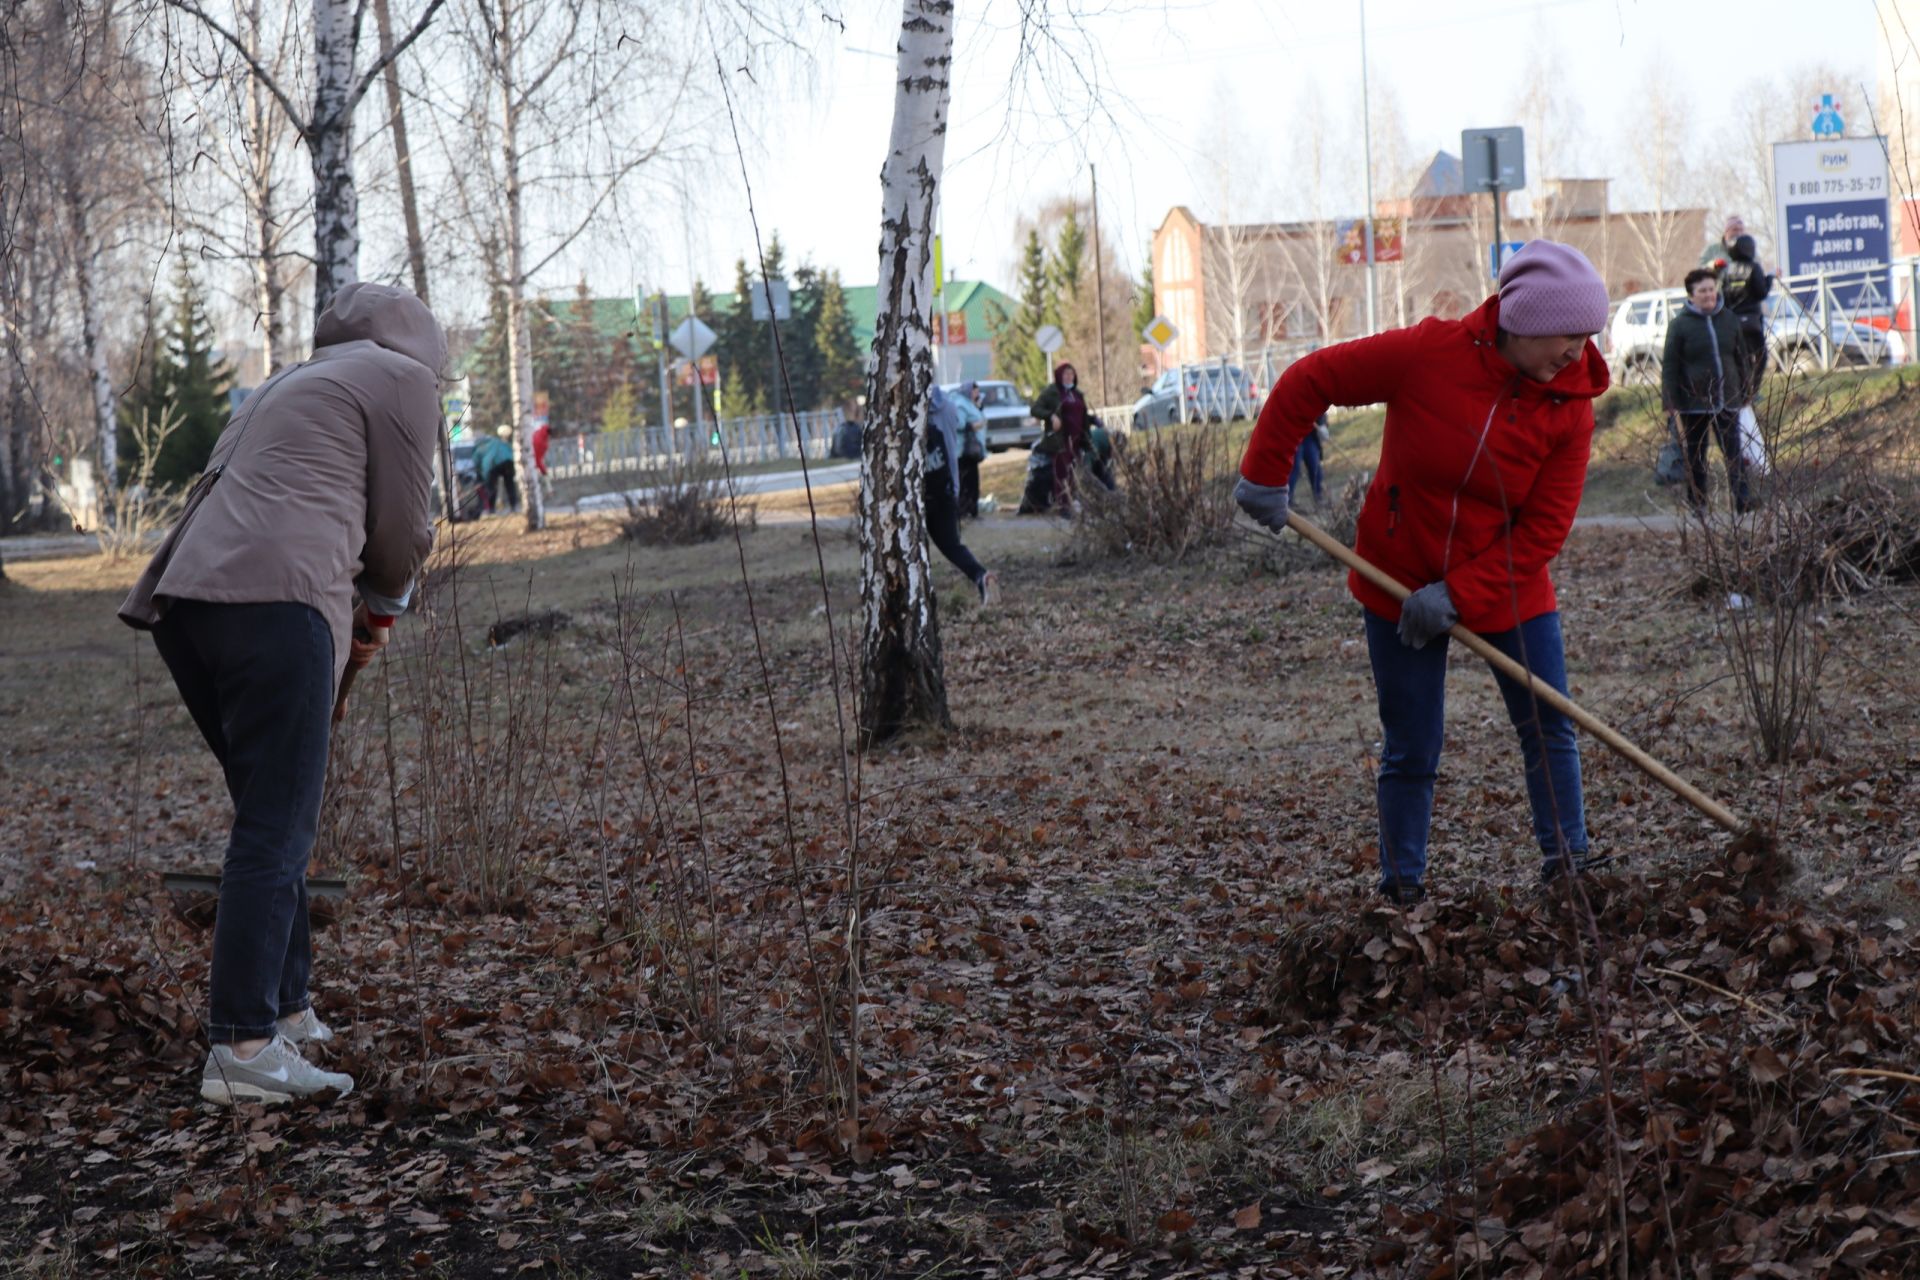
[[1099, 287], [1499, 198]]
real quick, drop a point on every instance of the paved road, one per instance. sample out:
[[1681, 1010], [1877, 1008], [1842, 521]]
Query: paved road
[[763, 482]]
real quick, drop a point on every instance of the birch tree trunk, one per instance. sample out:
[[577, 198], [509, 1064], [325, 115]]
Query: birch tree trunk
[[902, 683], [336, 201], [519, 328], [86, 270], [269, 285]]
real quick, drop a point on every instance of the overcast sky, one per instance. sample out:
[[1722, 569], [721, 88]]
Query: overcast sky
[[1184, 81]]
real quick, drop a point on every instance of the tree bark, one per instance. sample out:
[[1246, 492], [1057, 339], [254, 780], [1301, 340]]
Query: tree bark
[[902, 680], [410, 212], [336, 201], [269, 286], [519, 328], [402, 152]]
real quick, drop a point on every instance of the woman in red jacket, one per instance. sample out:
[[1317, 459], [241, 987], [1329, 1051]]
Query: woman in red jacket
[[1489, 423]]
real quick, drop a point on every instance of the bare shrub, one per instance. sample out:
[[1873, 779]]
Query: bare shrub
[[139, 510], [687, 501], [1835, 516], [1174, 496], [484, 718]]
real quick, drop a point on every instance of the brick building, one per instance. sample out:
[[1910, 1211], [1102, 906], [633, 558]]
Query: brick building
[[1234, 290]]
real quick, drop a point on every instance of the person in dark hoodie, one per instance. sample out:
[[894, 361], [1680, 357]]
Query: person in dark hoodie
[[1702, 379], [1744, 286], [1482, 461], [293, 556], [1062, 411]]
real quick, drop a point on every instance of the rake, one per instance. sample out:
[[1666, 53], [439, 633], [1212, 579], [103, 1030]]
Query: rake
[[1727, 819]]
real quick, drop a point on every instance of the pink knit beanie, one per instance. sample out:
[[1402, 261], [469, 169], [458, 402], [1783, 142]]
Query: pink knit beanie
[[1550, 289]]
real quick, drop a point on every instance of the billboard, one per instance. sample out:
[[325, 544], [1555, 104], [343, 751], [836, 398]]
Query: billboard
[[1833, 214], [1352, 250]]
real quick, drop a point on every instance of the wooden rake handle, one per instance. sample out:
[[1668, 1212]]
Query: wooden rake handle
[[1566, 706]]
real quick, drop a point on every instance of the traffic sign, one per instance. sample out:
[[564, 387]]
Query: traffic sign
[[1501, 254], [1493, 159], [782, 300], [1049, 338], [691, 338], [1160, 332]]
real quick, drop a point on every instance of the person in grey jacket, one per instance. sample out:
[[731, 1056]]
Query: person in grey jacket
[[295, 552], [1703, 376], [941, 489]]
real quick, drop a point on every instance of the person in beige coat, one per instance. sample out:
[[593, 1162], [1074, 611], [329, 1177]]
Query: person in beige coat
[[294, 554]]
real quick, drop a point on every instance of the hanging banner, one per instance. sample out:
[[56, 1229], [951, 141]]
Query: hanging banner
[[1387, 243]]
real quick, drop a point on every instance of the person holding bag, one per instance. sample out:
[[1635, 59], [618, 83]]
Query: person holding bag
[[973, 447], [1062, 410], [1702, 378], [1482, 462]]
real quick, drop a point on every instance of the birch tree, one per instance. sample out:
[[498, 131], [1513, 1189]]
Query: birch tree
[[1661, 157], [326, 125], [902, 682], [559, 130]]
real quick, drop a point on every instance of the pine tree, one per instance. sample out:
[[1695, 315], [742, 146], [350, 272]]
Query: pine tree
[[1069, 267], [1015, 357], [843, 367], [800, 338], [488, 405], [741, 344], [574, 370], [186, 384], [702, 305]]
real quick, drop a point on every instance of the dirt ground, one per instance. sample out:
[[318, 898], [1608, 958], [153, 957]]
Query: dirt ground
[[1124, 1003]]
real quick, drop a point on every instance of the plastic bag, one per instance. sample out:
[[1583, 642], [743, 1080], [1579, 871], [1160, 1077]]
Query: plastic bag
[[1671, 466], [1753, 449]]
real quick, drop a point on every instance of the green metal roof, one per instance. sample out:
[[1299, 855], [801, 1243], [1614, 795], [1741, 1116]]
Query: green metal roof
[[615, 316]]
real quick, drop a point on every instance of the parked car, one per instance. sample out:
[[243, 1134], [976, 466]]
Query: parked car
[[1195, 393], [1638, 335], [465, 480], [1008, 422]]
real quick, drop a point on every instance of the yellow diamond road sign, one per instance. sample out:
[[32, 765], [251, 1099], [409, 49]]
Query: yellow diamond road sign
[[1160, 332]]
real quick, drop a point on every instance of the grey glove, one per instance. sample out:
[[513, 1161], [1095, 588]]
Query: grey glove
[[1266, 504], [1427, 613]]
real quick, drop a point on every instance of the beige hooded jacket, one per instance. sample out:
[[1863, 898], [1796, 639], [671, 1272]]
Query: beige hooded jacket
[[321, 483]]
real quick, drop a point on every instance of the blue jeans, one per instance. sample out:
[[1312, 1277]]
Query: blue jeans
[[258, 681], [1411, 686], [1308, 459]]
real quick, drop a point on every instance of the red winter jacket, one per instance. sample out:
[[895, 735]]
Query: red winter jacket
[[1481, 468]]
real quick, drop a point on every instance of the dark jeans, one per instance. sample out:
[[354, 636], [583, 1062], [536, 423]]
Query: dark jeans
[[969, 488], [1724, 427], [1309, 459], [943, 526], [1411, 686], [258, 681], [503, 478]]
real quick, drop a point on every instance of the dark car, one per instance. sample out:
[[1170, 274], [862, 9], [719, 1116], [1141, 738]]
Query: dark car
[[1196, 393]]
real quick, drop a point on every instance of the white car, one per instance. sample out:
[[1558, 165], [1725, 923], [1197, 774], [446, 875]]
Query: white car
[[1008, 422]]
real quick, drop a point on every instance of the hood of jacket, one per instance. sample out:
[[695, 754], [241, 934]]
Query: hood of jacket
[[1718, 307], [389, 316], [1584, 379]]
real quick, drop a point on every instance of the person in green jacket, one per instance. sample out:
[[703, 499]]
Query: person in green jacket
[[1701, 383], [493, 467]]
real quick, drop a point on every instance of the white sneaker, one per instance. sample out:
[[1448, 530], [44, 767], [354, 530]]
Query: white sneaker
[[276, 1074], [305, 1027]]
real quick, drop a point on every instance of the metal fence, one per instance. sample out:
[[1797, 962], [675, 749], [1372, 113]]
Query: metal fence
[[1220, 389], [767, 437], [1856, 319]]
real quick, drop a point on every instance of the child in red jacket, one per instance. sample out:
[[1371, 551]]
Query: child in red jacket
[[1484, 455]]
